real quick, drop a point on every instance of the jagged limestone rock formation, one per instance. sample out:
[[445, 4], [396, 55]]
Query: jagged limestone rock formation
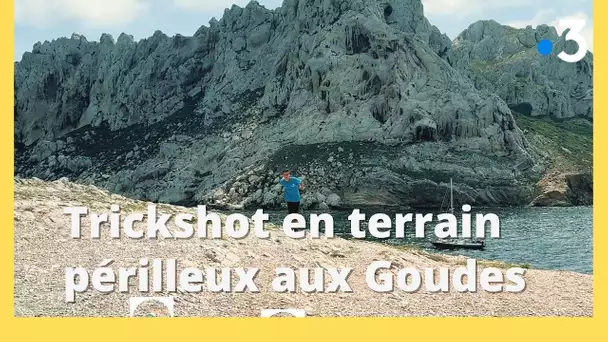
[[353, 95], [505, 61]]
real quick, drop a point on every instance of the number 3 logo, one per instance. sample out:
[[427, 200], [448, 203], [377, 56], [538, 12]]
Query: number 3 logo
[[575, 25]]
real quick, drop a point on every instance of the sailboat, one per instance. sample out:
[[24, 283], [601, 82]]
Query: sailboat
[[455, 243]]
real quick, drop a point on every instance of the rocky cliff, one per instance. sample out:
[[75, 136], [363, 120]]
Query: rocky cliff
[[364, 99], [552, 100], [505, 61]]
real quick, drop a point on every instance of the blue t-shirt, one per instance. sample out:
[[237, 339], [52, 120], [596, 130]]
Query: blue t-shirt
[[292, 191]]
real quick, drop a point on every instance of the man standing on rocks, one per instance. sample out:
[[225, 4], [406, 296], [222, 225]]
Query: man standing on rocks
[[291, 186]]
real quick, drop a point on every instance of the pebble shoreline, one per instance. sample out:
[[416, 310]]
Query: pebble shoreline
[[44, 248]]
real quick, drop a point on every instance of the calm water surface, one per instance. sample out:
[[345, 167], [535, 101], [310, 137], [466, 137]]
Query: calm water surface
[[545, 238]]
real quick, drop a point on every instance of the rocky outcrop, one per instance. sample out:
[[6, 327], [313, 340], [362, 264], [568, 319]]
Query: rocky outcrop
[[580, 186], [251, 55], [356, 96], [505, 61], [565, 190]]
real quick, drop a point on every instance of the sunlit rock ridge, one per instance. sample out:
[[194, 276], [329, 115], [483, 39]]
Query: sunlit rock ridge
[[366, 100]]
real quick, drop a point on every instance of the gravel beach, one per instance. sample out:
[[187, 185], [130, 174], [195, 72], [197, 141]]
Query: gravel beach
[[44, 248]]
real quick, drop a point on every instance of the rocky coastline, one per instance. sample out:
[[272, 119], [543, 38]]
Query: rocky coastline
[[40, 271]]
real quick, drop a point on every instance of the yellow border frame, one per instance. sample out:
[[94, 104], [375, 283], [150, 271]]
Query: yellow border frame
[[309, 329]]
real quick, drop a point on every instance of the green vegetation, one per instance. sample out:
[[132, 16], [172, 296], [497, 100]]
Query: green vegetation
[[569, 142], [479, 65]]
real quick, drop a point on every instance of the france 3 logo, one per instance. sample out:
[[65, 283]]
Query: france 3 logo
[[575, 27], [169, 303]]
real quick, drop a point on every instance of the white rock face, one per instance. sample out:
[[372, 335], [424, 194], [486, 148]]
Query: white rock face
[[505, 61], [344, 58], [176, 119]]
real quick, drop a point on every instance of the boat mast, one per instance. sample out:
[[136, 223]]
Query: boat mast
[[451, 197]]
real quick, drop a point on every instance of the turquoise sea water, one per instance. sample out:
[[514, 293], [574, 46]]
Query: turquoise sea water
[[544, 238]]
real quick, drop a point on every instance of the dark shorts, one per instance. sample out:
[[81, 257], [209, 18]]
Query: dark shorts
[[293, 207]]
